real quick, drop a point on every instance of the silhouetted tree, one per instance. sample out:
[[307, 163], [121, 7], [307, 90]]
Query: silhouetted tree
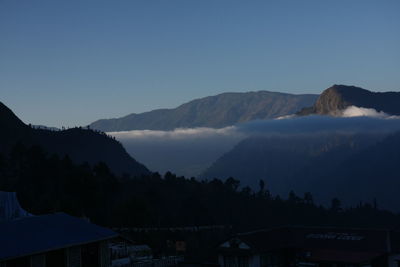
[[232, 184], [336, 205], [308, 198], [262, 185]]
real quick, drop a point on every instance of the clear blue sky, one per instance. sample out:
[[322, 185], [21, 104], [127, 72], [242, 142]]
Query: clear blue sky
[[72, 62]]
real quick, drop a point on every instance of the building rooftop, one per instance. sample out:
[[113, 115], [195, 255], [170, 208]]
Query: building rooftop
[[321, 243], [38, 234]]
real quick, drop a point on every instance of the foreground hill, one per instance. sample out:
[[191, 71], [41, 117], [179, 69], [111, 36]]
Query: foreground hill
[[12, 128], [352, 167], [338, 97], [213, 111], [277, 159], [79, 144]]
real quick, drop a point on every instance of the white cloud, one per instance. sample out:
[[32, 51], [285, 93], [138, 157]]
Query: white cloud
[[180, 133], [291, 116], [354, 111]]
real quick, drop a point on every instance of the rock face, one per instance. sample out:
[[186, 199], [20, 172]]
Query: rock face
[[331, 101], [213, 111], [338, 97], [81, 145]]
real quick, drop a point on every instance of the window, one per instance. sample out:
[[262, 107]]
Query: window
[[229, 261], [56, 258], [90, 255], [269, 260], [243, 261], [21, 262], [38, 260]]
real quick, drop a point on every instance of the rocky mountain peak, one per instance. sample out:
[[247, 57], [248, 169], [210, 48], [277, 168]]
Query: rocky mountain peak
[[338, 97]]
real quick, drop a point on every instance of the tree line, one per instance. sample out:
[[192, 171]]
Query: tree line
[[49, 183]]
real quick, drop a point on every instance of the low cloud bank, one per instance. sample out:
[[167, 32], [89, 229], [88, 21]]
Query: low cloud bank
[[190, 151], [177, 134], [186, 152], [321, 124]]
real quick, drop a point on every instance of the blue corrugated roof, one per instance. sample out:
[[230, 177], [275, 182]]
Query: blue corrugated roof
[[36, 234]]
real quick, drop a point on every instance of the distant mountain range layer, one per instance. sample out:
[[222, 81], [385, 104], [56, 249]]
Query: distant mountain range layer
[[231, 108], [80, 145], [214, 111], [356, 164], [339, 97]]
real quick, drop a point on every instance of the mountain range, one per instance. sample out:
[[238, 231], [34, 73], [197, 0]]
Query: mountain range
[[213, 111], [352, 165], [232, 108], [81, 145], [355, 164]]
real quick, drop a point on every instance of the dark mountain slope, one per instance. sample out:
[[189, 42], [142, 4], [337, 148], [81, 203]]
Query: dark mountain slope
[[213, 111], [80, 144], [372, 173], [339, 97], [89, 146], [8, 119], [350, 167], [12, 128], [289, 162]]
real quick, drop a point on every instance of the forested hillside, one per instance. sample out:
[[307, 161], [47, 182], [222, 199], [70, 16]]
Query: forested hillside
[[47, 183], [81, 145]]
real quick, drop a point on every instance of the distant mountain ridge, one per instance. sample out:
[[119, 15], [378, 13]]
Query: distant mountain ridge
[[213, 111], [338, 97], [81, 145]]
